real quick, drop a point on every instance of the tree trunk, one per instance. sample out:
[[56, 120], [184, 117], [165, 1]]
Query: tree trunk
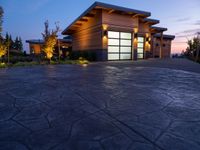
[[197, 54]]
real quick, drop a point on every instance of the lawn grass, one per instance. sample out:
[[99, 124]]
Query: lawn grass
[[35, 63]]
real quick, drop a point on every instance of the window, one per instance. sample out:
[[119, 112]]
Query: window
[[113, 49], [126, 35], [113, 42], [119, 45], [140, 48], [125, 42], [113, 56], [125, 49], [112, 34]]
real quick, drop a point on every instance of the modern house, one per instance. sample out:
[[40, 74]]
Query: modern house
[[36, 46], [118, 33]]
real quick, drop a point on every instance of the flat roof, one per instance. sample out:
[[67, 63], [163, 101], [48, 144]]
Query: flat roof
[[165, 36], [152, 21], [35, 41], [40, 41], [161, 29], [109, 6]]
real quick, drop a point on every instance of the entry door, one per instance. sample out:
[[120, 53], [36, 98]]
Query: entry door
[[119, 45], [140, 48]]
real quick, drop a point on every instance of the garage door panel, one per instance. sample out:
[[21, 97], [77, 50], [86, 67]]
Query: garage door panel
[[125, 49], [119, 45], [113, 49], [125, 56], [113, 56]]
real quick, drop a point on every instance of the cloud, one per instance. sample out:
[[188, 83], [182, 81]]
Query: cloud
[[190, 31], [185, 19], [197, 22]]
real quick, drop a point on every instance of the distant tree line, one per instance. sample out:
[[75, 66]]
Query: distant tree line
[[193, 49], [14, 44], [8, 47]]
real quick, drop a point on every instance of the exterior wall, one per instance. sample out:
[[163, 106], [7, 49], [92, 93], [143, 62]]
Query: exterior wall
[[119, 21], [88, 35], [35, 48], [166, 48]]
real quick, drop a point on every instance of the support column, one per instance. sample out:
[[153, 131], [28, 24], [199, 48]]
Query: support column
[[161, 44], [135, 43]]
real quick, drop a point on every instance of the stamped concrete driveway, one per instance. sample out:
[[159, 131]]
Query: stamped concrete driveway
[[144, 105]]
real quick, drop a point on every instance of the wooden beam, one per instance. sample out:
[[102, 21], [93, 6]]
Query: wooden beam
[[136, 15], [89, 15], [161, 44], [83, 20], [78, 24], [111, 11]]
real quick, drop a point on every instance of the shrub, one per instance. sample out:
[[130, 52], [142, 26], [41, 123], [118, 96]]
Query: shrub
[[3, 65], [89, 55]]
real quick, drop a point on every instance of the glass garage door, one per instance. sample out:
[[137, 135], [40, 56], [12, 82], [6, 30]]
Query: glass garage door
[[140, 48], [119, 45]]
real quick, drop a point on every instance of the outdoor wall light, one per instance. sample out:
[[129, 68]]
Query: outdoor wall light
[[135, 35], [105, 33]]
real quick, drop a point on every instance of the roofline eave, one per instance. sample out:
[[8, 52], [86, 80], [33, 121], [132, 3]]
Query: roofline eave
[[145, 14]]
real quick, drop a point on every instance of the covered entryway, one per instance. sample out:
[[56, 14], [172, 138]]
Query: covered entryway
[[119, 45]]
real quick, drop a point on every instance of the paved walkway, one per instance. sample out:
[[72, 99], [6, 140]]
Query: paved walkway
[[144, 105]]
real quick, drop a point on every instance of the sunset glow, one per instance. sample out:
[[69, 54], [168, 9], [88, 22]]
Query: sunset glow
[[26, 18]]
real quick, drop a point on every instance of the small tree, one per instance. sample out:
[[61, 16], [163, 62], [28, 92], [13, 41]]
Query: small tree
[[50, 39], [20, 44], [3, 44], [3, 49], [16, 43], [193, 49]]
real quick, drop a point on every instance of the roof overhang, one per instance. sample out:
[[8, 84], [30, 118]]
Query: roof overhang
[[99, 5], [155, 30], [35, 41], [165, 36], [39, 41], [150, 21]]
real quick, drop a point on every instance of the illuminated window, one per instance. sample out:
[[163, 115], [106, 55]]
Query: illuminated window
[[113, 41], [140, 56], [125, 49], [119, 45], [140, 39], [112, 34], [125, 42], [113, 49], [114, 56], [140, 48], [125, 35], [125, 56]]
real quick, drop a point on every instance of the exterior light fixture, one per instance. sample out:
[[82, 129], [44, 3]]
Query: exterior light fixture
[[148, 39], [135, 35], [105, 33]]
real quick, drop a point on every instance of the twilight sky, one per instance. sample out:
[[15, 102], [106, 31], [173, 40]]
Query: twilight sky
[[25, 18]]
